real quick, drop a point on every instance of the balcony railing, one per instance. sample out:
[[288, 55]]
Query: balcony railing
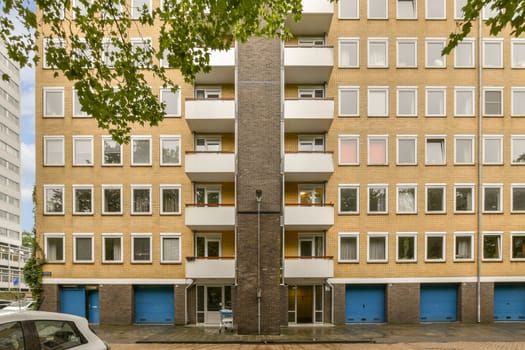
[[210, 115], [308, 267], [308, 115], [222, 71], [200, 267], [210, 216], [210, 166], [315, 19], [308, 64], [308, 166], [308, 217]]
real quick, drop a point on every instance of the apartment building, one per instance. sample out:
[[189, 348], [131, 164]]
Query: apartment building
[[12, 254], [350, 175]]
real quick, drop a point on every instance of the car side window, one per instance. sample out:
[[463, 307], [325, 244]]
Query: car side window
[[58, 335], [11, 336]]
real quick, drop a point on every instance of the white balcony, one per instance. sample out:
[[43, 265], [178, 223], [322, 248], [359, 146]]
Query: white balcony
[[210, 166], [210, 268], [211, 116], [308, 217], [316, 18], [222, 65], [308, 166], [308, 115], [210, 218], [308, 267], [308, 64]]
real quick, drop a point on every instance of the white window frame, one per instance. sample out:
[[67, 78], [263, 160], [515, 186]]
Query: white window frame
[[493, 89], [209, 140], [46, 248], [354, 3], [412, 235], [385, 3], [436, 137], [141, 235], [398, 149], [144, 44], [376, 90], [467, 45], [465, 89], [109, 49], [487, 43], [104, 138], [311, 92], [164, 138], [351, 42], [406, 186], [472, 140], [515, 91], [208, 92], [512, 201], [309, 41], [56, 43], [442, 90], [443, 188], [83, 235], [353, 138], [46, 150], [461, 234], [498, 234], [443, 236], [514, 43], [470, 186], [515, 138], [351, 235], [399, 43], [61, 187], [458, 9], [382, 212], [429, 16], [341, 187], [76, 138], [499, 186], [383, 138], [311, 143], [164, 235], [134, 11], [83, 187], [376, 235], [132, 199], [119, 187], [161, 204], [500, 151], [46, 90], [114, 236], [433, 65], [377, 41], [488, 12], [407, 89], [415, 7], [141, 138], [76, 105], [512, 235], [81, 7], [177, 95], [352, 89]]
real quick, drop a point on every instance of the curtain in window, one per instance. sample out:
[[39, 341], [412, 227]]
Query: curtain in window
[[463, 248], [141, 249], [406, 248], [377, 248], [171, 100], [170, 200], [348, 151], [406, 198], [54, 149], [407, 151], [407, 102], [377, 8], [435, 151], [464, 151], [112, 249], [83, 249], [377, 199], [348, 247], [377, 53], [377, 149], [170, 249], [377, 105], [141, 200], [54, 105], [348, 54], [54, 249], [436, 102], [348, 102], [492, 150]]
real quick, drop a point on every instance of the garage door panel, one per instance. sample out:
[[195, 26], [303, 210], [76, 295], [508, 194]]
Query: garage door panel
[[509, 302], [73, 301], [365, 304], [154, 304], [438, 303]]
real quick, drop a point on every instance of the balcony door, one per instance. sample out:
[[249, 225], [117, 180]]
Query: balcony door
[[208, 245], [210, 300], [311, 194], [311, 245], [305, 304], [208, 92], [208, 195]]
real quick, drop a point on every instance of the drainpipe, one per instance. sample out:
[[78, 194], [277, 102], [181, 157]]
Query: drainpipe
[[236, 148], [283, 193], [258, 198], [480, 166]]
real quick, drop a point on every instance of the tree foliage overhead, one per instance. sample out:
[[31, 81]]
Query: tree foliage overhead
[[107, 50]]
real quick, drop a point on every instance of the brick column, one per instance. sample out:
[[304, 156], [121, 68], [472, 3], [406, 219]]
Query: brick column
[[116, 297], [402, 303], [468, 303], [339, 303], [50, 298], [487, 302]]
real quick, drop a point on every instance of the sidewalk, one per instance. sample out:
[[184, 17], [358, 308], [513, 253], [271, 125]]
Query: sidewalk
[[358, 333]]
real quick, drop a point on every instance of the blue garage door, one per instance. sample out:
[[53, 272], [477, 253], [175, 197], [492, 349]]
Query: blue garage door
[[73, 301], [438, 303], [154, 304], [365, 303], [509, 302]]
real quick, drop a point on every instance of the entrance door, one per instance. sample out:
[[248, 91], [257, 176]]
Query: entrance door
[[305, 304], [210, 300], [213, 304], [93, 315]]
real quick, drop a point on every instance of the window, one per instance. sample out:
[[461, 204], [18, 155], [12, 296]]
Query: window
[[406, 52], [458, 9], [489, 12], [349, 101], [491, 246], [170, 247], [83, 150], [463, 198], [493, 53], [53, 150], [54, 247], [112, 248], [436, 101], [170, 200], [518, 149], [208, 195], [492, 149], [492, 198], [111, 199], [53, 102], [377, 150], [139, 8], [311, 194], [311, 143], [348, 247], [111, 152], [378, 101], [434, 247], [407, 101], [463, 247], [377, 52], [517, 240], [464, 54], [493, 102], [51, 46], [406, 199], [377, 9], [141, 49], [435, 199], [464, 101], [310, 41], [435, 150], [82, 199], [518, 53], [349, 52], [77, 107], [80, 7], [208, 143], [463, 149], [208, 92], [141, 248], [141, 150], [406, 9], [377, 199], [170, 150], [54, 199], [518, 102], [11, 331], [110, 51], [348, 199], [171, 101], [83, 247], [140, 199], [377, 247], [435, 9], [406, 150], [518, 198], [349, 150], [406, 247], [348, 9], [63, 334], [311, 92], [311, 245], [434, 58]]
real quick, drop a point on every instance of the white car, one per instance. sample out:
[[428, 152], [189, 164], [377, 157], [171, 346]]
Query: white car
[[40, 330], [19, 305]]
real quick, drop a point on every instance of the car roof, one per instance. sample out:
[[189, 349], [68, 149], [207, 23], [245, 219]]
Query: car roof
[[9, 316]]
